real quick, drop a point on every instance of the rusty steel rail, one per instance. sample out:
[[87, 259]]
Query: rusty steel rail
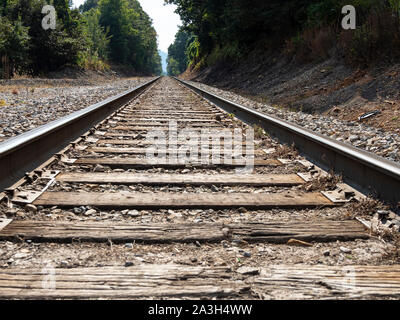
[[362, 170], [27, 151]]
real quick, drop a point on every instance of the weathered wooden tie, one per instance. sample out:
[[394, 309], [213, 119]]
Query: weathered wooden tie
[[163, 127], [179, 143], [179, 281], [144, 281], [327, 282], [268, 232], [183, 179], [132, 163], [162, 150], [184, 200]]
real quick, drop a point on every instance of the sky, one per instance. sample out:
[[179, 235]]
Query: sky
[[165, 20]]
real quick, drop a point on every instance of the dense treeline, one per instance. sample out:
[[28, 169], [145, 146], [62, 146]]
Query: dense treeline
[[304, 29], [178, 53], [101, 30]]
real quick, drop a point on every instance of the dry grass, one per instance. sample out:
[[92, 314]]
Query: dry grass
[[258, 132], [365, 208], [323, 183], [313, 44], [393, 254], [286, 152]]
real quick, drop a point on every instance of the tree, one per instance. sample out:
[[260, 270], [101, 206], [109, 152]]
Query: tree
[[177, 56], [173, 67], [97, 37], [134, 40], [88, 4], [14, 43], [107, 29]]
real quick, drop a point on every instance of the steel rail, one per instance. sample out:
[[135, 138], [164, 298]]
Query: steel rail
[[27, 151], [363, 170]]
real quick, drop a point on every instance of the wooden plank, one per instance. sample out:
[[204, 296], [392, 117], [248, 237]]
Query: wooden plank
[[132, 163], [198, 115], [182, 179], [194, 127], [114, 134], [168, 118], [151, 126], [169, 111], [268, 232], [144, 143], [166, 122], [303, 230], [141, 281], [134, 135], [183, 200], [167, 151], [44, 231], [327, 282], [133, 129]]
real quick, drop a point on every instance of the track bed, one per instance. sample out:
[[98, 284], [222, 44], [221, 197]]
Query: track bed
[[121, 214]]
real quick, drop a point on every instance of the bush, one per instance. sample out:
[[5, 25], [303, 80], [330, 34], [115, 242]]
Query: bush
[[227, 53], [14, 43], [311, 45], [377, 39], [91, 61]]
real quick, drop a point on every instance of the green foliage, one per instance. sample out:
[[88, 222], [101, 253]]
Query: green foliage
[[97, 37], [33, 49], [227, 30], [378, 38], [177, 58], [88, 5], [173, 67], [134, 40], [395, 5], [193, 51], [14, 42], [116, 30], [230, 52]]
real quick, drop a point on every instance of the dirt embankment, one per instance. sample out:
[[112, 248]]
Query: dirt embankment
[[330, 87]]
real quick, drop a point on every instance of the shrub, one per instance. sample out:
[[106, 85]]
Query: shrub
[[311, 44], [377, 39], [229, 52], [90, 61]]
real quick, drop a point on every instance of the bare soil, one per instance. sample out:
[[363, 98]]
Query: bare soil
[[330, 87]]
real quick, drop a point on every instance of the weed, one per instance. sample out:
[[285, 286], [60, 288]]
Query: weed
[[394, 253], [323, 183], [258, 132], [376, 39], [286, 152], [2, 103], [364, 208], [311, 44]]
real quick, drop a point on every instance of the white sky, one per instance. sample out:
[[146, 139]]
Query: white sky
[[165, 20]]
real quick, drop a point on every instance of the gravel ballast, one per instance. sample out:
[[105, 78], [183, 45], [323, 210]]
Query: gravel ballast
[[371, 139], [31, 103]]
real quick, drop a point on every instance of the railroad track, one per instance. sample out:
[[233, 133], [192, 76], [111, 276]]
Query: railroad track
[[172, 197]]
